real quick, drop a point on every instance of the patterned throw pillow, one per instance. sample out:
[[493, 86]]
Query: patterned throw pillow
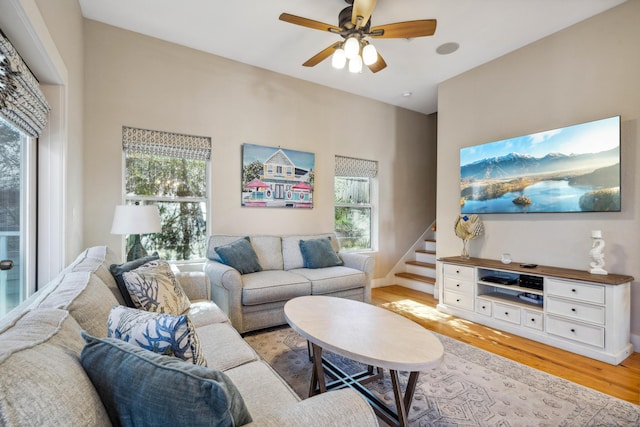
[[161, 333], [154, 287]]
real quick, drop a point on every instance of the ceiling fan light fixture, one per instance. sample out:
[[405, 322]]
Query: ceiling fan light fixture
[[355, 65], [369, 54], [339, 59], [352, 47]]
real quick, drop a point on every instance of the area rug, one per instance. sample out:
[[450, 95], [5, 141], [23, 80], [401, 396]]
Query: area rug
[[472, 387]]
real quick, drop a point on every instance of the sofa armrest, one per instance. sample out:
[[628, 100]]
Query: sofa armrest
[[358, 261], [336, 408], [363, 263], [226, 290], [195, 284]]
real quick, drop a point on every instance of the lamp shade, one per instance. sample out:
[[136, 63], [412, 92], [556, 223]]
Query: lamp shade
[[339, 59], [136, 219], [351, 47]]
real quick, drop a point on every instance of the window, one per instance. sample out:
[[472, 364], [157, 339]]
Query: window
[[352, 200], [171, 171]]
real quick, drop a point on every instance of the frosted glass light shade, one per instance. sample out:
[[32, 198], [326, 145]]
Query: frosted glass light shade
[[369, 54], [351, 47], [339, 59], [355, 65], [136, 219]]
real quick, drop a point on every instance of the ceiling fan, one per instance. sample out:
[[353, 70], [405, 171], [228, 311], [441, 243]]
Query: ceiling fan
[[354, 25]]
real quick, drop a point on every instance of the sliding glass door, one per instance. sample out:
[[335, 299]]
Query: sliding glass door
[[17, 208]]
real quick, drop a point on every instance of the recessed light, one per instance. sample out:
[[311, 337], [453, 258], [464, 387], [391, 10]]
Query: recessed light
[[447, 48]]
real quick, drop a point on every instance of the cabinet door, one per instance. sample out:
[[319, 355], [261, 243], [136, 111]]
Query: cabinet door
[[458, 300], [576, 331], [533, 319], [464, 273], [576, 310], [506, 312], [575, 290]]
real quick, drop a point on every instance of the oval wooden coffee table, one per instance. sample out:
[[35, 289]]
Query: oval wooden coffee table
[[367, 334]]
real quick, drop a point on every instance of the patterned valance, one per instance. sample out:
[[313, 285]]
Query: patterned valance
[[349, 166], [21, 100], [144, 141]]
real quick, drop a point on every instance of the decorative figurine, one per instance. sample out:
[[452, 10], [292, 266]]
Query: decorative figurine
[[596, 253], [468, 227]]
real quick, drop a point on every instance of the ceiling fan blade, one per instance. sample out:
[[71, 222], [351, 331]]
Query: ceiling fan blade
[[321, 56], [405, 30], [309, 23], [362, 10], [379, 65]]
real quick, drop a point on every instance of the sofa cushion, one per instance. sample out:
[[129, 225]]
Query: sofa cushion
[[318, 253], [84, 295], [332, 279], [117, 270], [153, 287], [161, 333], [263, 389], [42, 380], [292, 256], [274, 285], [204, 313], [97, 260], [224, 348], [239, 255], [139, 387]]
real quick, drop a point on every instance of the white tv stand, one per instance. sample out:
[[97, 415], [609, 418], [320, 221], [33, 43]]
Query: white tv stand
[[580, 312]]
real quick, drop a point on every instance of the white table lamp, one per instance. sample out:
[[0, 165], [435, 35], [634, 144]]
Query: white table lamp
[[136, 220]]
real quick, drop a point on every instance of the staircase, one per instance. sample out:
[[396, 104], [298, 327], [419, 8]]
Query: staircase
[[420, 272]]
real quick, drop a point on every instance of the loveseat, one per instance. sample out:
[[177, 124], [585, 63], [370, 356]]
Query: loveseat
[[43, 381], [254, 298]]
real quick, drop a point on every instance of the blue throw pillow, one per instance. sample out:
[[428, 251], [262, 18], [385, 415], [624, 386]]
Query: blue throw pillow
[[142, 388], [161, 333], [240, 255], [118, 269], [318, 253]]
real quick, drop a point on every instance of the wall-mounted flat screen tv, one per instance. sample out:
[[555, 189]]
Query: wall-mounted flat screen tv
[[571, 169]]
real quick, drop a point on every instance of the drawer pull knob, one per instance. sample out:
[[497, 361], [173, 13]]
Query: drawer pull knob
[[484, 307], [573, 330], [506, 313], [457, 271], [574, 291], [458, 285], [573, 309], [458, 300], [533, 320]]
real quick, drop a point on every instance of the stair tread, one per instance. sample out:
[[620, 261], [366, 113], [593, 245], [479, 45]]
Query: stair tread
[[426, 251], [417, 277], [421, 264], [430, 240]]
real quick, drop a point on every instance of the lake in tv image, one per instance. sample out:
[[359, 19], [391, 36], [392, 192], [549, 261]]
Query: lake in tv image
[[571, 169]]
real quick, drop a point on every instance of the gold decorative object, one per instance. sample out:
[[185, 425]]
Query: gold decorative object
[[468, 227]]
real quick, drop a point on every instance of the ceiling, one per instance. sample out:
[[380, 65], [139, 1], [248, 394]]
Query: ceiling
[[250, 32]]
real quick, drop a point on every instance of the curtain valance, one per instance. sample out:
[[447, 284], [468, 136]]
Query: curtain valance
[[349, 166], [159, 143], [21, 100]]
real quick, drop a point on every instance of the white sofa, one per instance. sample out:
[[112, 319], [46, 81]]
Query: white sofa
[[42, 381], [256, 300]]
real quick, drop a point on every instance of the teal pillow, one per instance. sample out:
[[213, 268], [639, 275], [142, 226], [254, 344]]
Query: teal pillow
[[318, 253], [142, 388], [158, 332], [240, 255]]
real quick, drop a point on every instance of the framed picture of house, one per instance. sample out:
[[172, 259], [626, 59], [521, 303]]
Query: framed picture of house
[[275, 177]]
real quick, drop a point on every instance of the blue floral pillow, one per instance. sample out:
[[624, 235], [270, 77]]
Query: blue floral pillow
[[154, 287], [161, 333]]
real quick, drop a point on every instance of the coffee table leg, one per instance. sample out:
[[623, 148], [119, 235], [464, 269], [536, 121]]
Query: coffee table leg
[[317, 374], [403, 403]]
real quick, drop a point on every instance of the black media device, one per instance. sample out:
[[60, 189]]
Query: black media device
[[531, 282], [528, 265]]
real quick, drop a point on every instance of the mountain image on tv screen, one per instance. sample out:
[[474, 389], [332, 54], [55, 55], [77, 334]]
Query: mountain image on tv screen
[[570, 169]]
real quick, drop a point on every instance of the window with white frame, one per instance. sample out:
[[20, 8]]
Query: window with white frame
[[171, 171], [353, 208]]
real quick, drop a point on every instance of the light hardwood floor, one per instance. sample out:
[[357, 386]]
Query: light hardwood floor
[[621, 381]]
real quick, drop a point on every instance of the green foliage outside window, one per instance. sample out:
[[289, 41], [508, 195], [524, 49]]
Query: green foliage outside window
[[178, 187], [352, 220]]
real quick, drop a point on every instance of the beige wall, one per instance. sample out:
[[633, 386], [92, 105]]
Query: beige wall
[[139, 81], [586, 72]]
